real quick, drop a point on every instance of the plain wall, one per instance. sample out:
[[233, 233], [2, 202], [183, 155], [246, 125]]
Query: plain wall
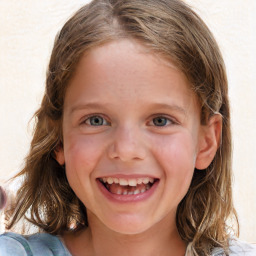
[[27, 31]]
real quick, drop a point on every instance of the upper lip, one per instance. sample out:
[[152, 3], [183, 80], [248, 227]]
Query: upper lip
[[127, 176]]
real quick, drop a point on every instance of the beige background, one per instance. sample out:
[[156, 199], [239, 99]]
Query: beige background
[[27, 31]]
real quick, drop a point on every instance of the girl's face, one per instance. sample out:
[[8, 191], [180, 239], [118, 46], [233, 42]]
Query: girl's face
[[132, 137]]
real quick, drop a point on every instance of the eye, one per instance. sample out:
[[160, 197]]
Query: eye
[[96, 121], [161, 121]]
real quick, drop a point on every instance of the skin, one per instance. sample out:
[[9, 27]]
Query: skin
[[128, 87]]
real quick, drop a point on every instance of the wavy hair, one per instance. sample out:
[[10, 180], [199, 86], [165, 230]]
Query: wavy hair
[[172, 29]]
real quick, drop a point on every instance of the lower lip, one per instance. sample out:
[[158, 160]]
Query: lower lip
[[128, 198]]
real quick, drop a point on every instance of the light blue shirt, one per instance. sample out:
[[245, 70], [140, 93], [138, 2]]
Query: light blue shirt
[[42, 244]]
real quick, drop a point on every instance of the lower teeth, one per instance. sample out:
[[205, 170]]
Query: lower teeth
[[127, 190]]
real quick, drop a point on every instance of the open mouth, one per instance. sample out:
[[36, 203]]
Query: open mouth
[[121, 186]]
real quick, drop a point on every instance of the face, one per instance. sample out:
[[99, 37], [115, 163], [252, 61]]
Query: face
[[131, 136]]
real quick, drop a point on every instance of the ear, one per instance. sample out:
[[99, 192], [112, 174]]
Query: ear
[[209, 142], [59, 154]]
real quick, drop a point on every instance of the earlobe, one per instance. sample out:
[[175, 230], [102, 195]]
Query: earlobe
[[209, 142], [59, 155]]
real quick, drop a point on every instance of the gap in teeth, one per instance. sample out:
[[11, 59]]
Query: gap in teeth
[[127, 182], [127, 186], [127, 190]]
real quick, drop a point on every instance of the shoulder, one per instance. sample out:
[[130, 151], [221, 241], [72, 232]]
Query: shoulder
[[238, 247], [37, 244]]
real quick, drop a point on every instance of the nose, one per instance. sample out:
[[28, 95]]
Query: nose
[[127, 145]]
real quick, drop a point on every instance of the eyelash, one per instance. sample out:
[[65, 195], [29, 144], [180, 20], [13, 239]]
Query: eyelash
[[152, 122], [168, 121], [89, 118]]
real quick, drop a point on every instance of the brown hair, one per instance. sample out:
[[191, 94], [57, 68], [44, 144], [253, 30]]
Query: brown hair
[[172, 29]]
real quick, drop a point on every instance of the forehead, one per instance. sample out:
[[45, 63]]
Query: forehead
[[128, 71]]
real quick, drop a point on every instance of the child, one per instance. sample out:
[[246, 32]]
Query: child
[[131, 153]]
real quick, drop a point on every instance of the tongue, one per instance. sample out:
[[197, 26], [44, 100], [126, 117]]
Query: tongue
[[118, 189]]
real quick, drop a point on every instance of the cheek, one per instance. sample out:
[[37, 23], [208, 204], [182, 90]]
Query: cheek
[[82, 152], [176, 154]]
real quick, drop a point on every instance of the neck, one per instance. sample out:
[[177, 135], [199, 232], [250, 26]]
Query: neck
[[147, 243], [98, 240]]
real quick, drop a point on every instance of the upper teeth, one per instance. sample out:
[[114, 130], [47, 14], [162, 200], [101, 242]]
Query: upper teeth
[[124, 182]]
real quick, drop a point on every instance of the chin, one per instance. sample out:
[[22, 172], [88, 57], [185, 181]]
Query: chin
[[129, 227]]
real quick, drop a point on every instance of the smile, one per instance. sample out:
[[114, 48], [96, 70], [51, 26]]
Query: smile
[[122, 186]]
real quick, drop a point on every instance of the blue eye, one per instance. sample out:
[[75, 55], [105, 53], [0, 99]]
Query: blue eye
[[96, 121], [160, 121]]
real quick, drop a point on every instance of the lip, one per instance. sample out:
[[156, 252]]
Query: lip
[[127, 198], [136, 176]]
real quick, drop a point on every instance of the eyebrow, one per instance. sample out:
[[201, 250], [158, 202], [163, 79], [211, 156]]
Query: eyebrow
[[171, 107], [87, 106], [100, 106]]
